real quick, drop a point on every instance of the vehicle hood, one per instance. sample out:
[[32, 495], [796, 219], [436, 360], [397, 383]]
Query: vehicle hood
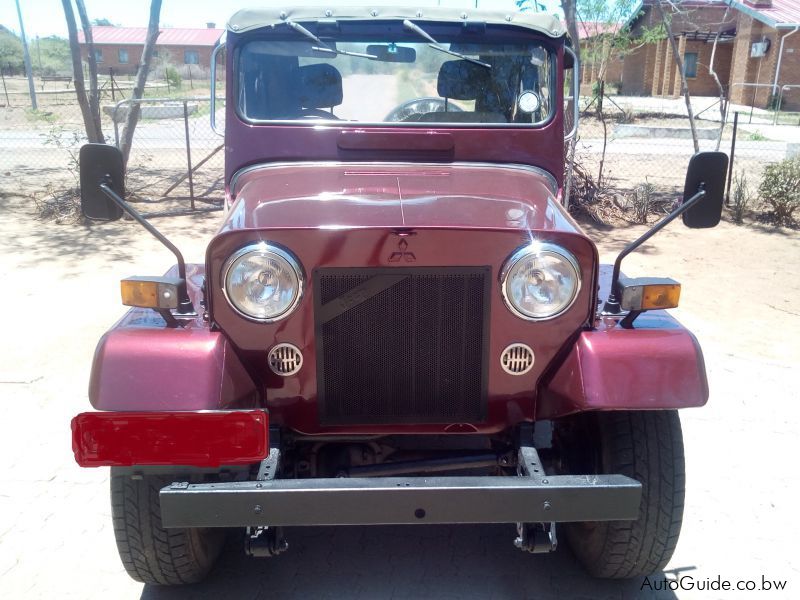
[[370, 195]]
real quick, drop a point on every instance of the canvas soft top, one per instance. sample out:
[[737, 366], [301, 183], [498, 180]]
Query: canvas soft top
[[255, 18]]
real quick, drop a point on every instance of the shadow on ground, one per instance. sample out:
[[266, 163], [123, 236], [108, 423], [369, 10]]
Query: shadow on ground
[[403, 562]]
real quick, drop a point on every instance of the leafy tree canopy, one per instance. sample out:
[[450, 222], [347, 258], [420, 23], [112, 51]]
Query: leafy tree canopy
[[10, 52]]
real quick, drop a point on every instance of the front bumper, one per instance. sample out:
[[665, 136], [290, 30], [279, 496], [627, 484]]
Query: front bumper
[[401, 500]]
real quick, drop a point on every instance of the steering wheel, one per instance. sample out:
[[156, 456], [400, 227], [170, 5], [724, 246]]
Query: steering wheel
[[316, 113], [419, 106]]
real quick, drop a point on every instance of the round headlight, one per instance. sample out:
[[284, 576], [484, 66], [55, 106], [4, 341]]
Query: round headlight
[[540, 281], [263, 282]]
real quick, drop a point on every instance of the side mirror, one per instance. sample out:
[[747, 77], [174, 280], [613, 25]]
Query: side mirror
[[707, 171], [101, 163], [392, 53]]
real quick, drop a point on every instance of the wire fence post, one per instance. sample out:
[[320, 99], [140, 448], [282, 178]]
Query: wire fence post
[[5, 90], [188, 151], [730, 160]]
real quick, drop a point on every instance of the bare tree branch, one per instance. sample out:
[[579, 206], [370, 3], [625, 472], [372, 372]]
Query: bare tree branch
[[676, 55], [94, 95], [572, 24], [93, 131], [723, 102], [141, 79]]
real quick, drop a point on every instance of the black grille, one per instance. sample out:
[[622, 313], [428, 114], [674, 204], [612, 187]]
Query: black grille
[[402, 345]]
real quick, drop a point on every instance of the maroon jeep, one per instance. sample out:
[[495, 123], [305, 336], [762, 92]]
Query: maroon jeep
[[398, 322]]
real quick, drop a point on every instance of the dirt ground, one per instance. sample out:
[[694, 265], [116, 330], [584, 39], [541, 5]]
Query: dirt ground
[[60, 293]]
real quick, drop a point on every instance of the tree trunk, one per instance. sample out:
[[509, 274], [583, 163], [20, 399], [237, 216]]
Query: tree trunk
[[679, 64], [602, 116], [141, 79], [723, 102], [93, 132], [94, 95], [572, 24], [572, 28]]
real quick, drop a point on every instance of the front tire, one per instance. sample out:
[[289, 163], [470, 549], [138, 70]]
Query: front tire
[[647, 446], [149, 552]]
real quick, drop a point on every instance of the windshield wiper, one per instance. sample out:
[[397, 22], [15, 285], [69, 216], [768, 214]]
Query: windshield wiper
[[323, 47], [437, 46]]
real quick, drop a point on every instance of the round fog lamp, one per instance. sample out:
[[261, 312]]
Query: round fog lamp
[[263, 282], [540, 281]]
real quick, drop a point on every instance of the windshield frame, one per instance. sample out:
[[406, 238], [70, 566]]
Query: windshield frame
[[364, 32]]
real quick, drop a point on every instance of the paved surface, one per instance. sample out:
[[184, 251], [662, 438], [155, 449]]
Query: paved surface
[[59, 294]]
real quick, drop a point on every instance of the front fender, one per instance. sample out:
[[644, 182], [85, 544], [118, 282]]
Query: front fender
[[155, 368], [658, 365]]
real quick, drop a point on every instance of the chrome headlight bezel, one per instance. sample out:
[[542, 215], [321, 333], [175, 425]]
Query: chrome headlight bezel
[[541, 248], [263, 249]]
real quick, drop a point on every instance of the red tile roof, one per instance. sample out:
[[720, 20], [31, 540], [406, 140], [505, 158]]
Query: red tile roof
[[589, 29], [169, 36], [781, 13]]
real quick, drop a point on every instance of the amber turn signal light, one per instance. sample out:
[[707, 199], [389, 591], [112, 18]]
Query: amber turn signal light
[[150, 292], [649, 293]]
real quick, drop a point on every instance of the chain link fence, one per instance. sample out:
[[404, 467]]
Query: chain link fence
[[176, 161], [630, 144]]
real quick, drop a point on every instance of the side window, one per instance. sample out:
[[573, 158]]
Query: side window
[[98, 55], [122, 54], [690, 64], [191, 57]]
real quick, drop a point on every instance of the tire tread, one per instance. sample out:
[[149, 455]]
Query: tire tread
[[150, 553], [647, 446]]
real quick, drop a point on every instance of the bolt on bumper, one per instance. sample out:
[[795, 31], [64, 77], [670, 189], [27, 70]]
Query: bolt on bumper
[[530, 498]]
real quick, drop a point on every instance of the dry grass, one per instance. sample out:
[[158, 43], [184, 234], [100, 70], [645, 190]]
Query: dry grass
[[59, 205]]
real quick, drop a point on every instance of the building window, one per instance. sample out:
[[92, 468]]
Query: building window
[[122, 54], [690, 64], [191, 57], [98, 55]]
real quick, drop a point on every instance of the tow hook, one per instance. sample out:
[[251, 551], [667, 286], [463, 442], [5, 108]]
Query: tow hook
[[536, 538], [265, 542]]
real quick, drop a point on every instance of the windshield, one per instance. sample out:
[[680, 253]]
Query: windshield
[[400, 83]]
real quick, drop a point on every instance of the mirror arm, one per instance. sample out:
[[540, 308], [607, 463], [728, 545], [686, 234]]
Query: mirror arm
[[184, 303], [612, 305]]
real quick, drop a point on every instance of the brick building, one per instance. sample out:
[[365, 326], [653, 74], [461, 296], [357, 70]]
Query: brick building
[[595, 39], [121, 48], [757, 52]]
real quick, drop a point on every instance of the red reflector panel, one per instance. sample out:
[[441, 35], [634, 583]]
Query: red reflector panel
[[207, 439]]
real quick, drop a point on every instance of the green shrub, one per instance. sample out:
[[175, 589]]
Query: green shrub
[[40, 115], [780, 189], [51, 56], [10, 53], [173, 77]]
